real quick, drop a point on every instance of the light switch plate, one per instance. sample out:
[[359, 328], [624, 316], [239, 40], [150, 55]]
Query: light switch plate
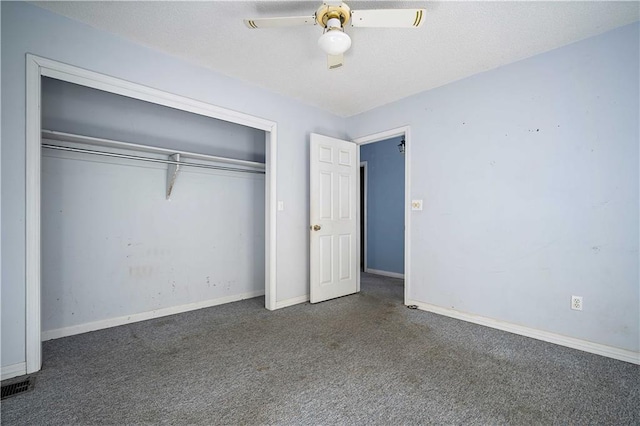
[[416, 204], [280, 205]]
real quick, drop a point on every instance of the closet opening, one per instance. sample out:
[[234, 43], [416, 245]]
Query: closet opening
[[140, 204]]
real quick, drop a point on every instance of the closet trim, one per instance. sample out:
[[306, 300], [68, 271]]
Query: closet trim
[[38, 67]]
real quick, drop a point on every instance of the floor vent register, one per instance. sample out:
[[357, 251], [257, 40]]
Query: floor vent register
[[16, 388]]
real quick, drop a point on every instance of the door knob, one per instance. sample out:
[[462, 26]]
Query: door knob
[[317, 227]]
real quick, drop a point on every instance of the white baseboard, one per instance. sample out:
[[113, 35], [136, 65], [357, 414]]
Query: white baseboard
[[384, 273], [113, 322], [558, 339], [14, 370], [292, 301]]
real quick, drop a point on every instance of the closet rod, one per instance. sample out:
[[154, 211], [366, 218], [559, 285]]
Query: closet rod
[[96, 143], [151, 160]]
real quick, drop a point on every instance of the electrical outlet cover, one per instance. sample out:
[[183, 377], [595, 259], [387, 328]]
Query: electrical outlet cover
[[576, 303]]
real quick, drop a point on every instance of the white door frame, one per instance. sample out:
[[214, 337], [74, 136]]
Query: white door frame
[[377, 137], [38, 67]]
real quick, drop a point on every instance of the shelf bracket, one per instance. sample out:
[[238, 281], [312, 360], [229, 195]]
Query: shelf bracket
[[172, 174]]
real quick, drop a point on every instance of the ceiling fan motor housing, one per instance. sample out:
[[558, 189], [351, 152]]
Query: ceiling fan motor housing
[[326, 12]]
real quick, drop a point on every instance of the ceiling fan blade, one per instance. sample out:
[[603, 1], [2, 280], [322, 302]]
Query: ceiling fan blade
[[388, 18], [289, 21], [335, 61]]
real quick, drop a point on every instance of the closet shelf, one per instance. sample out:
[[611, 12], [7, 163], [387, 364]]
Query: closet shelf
[[175, 160]]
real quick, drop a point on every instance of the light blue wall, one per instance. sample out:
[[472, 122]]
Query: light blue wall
[[385, 205], [114, 247], [529, 176], [71, 108], [29, 29]]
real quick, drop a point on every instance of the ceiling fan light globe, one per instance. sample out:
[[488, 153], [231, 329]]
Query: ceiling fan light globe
[[334, 42]]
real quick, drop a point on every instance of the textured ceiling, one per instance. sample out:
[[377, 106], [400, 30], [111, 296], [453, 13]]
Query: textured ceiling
[[458, 39]]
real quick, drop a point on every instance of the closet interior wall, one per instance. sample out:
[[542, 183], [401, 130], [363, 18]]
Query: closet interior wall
[[113, 247]]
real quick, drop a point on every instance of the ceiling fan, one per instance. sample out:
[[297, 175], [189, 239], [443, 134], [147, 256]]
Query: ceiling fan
[[333, 16]]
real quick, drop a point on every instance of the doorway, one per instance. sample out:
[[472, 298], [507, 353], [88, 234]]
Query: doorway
[[384, 205], [382, 213]]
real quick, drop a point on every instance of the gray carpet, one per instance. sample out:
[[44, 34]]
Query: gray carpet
[[359, 359]]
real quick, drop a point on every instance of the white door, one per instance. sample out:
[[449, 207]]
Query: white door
[[334, 240]]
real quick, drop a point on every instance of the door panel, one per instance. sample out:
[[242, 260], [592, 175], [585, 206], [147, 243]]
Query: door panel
[[345, 257], [333, 182]]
